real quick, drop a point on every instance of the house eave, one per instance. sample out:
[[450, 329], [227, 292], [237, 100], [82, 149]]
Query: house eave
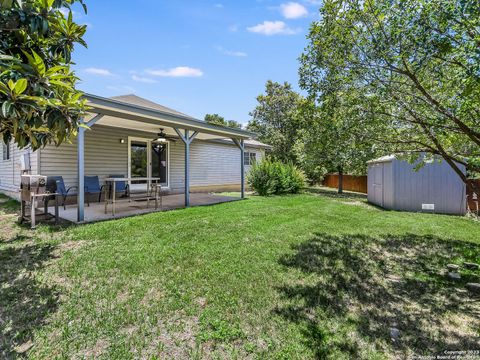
[[105, 106]]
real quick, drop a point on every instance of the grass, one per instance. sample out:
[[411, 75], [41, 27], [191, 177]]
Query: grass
[[294, 277]]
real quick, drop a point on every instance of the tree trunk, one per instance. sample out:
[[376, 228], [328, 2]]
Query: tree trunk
[[340, 180], [473, 187]]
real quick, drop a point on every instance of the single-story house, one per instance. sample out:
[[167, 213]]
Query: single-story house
[[395, 184], [122, 139]]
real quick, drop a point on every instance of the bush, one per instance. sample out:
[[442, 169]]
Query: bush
[[274, 178]]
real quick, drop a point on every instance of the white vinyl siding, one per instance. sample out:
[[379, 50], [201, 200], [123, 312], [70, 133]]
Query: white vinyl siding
[[10, 170]]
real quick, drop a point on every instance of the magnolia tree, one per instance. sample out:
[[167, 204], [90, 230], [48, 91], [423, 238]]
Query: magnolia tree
[[412, 67], [39, 102]]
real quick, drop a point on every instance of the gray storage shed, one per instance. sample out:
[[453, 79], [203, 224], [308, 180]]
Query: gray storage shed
[[394, 184]]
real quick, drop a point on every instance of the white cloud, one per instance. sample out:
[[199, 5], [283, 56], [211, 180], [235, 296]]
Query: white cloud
[[273, 28], [143, 79], [98, 71], [179, 71], [233, 28], [218, 6], [293, 10], [231, 53]]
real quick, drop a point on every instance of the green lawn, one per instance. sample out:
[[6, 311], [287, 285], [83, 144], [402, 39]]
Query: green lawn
[[294, 277]]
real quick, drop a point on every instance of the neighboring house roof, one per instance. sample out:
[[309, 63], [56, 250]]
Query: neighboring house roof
[[250, 143], [139, 101], [259, 144]]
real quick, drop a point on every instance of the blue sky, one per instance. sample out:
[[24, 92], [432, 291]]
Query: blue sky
[[194, 56]]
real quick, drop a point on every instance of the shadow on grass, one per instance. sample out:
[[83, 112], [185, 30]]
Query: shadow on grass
[[9, 206], [332, 193], [356, 289], [24, 301]]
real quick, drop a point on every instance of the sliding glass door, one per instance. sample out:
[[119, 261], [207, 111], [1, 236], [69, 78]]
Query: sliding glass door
[[147, 159]]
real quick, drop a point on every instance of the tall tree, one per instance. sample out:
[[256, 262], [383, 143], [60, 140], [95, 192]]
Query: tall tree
[[331, 140], [39, 102], [216, 119], [276, 119], [416, 65]]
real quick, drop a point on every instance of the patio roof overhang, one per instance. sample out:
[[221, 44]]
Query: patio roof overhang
[[131, 116], [120, 114]]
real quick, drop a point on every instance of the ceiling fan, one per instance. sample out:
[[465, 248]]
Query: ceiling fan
[[164, 137]]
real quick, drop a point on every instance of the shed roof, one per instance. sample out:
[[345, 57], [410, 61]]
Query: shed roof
[[382, 159]]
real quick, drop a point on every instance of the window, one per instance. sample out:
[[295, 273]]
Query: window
[[250, 158], [6, 151]]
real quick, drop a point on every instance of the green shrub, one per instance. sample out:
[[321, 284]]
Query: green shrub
[[274, 178]]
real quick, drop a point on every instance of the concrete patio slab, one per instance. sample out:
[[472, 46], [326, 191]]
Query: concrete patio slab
[[96, 211]]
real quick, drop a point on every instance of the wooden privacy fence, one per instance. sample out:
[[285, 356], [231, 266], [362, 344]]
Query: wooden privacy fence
[[350, 182], [473, 204]]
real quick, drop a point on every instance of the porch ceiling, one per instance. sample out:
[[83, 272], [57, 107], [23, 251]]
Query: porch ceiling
[[124, 115]]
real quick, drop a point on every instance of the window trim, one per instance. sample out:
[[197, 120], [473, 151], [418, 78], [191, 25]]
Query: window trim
[[8, 152], [248, 158]]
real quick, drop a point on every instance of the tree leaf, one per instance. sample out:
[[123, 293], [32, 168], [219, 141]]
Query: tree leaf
[[6, 106], [4, 88], [11, 84], [20, 86], [7, 4]]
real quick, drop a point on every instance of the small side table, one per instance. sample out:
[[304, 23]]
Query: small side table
[[33, 201]]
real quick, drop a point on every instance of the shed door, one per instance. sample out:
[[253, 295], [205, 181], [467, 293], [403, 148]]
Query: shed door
[[377, 175]]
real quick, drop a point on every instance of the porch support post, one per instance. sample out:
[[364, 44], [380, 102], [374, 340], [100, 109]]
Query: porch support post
[[187, 140], [241, 145], [187, 170], [81, 172]]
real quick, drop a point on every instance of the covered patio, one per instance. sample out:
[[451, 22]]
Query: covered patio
[[112, 113], [96, 211]]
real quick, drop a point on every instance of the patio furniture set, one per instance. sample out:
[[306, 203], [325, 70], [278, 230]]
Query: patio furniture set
[[115, 189]]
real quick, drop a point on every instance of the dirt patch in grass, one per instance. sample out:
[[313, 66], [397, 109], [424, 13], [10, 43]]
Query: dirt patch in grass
[[387, 295], [100, 347], [363, 204], [333, 193], [174, 339]]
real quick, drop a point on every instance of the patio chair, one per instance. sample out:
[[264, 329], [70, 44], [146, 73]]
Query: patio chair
[[55, 184], [121, 187], [92, 187]]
